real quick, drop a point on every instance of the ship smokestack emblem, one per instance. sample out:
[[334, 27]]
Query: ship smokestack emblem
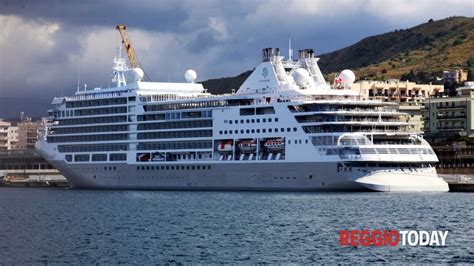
[[265, 72]]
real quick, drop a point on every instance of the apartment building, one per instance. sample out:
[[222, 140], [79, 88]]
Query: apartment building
[[450, 117]]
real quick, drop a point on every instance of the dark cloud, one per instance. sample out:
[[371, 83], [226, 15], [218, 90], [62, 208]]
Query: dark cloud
[[147, 15]]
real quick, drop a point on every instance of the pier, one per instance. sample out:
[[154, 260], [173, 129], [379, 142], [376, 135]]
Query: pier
[[459, 183], [28, 169]]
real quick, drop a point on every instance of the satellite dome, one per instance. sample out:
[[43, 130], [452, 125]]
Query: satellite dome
[[190, 75], [347, 77], [301, 77], [137, 74]]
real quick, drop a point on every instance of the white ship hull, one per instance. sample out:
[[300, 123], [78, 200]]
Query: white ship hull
[[251, 176]]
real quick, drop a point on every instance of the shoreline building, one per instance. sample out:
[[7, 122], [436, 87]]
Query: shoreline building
[[447, 118], [27, 134], [12, 137], [4, 130], [454, 76], [396, 91], [21, 136]]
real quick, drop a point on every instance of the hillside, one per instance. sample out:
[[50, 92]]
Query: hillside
[[419, 54], [425, 50], [225, 85]]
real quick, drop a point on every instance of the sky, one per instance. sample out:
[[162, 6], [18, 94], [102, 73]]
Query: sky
[[46, 45]]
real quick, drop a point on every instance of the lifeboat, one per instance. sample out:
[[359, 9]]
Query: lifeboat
[[246, 146], [225, 146], [274, 144]]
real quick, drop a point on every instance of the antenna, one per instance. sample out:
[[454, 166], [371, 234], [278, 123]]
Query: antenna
[[78, 76], [290, 51]]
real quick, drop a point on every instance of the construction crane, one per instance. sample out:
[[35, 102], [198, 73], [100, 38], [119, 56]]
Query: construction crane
[[132, 57]]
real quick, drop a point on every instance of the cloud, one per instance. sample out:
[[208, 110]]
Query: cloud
[[44, 44], [408, 13], [25, 47]]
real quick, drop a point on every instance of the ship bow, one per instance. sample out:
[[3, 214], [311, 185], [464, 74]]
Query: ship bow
[[403, 182]]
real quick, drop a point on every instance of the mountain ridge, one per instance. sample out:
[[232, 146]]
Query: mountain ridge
[[419, 53]]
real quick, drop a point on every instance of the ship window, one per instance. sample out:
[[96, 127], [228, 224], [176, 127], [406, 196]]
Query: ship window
[[162, 167], [282, 129], [225, 131], [276, 129], [187, 167], [253, 120], [220, 132], [258, 120], [230, 131], [253, 130], [242, 131], [270, 130], [247, 131], [247, 111], [264, 130], [265, 110], [258, 130], [241, 121], [81, 157], [138, 168], [99, 157], [247, 121], [269, 120], [264, 120], [288, 129], [294, 129], [193, 167], [276, 119], [198, 167], [208, 167], [230, 121], [69, 158], [236, 121], [167, 168]]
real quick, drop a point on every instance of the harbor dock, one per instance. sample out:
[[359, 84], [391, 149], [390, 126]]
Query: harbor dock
[[459, 183]]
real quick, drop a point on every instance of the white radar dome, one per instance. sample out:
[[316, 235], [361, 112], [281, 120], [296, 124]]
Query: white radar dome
[[138, 74], [301, 77], [190, 75], [347, 77]]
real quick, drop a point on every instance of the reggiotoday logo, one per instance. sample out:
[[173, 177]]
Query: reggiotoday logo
[[366, 238]]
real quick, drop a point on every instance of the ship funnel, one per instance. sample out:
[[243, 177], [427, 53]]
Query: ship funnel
[[267, 54], [306, 53]]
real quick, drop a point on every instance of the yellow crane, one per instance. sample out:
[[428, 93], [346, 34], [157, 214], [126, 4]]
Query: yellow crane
[[132, 57]]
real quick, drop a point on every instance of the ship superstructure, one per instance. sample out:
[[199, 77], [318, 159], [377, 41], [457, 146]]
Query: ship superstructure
[[284, 129]]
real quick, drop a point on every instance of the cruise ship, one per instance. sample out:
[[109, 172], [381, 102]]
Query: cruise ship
[[286, 128]]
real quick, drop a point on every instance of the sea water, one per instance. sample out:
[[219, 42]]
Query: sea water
[[59, 226]]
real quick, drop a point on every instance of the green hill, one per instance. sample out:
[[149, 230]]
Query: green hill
[[420, 54]]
